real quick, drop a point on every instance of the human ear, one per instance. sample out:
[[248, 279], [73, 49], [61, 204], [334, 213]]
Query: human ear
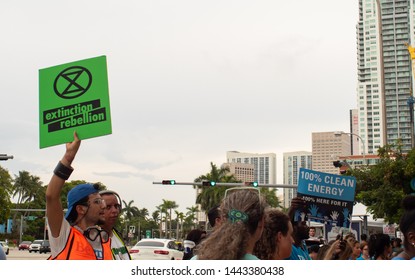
[[279, 236], [411, 238], [80, 209]]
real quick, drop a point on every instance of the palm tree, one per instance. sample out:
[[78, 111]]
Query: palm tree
[[142, 220], [155, 216], [26, 187], [143, 213], [270, 195], [209, 197], [129, 212], [6, 189], [179, 219], [169, 205], [192, 213], [162, 210]]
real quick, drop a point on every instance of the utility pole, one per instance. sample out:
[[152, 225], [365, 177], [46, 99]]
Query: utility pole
[[213, 183], [411, 100]]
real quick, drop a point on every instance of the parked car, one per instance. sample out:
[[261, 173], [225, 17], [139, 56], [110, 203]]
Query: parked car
[[24, 245], [156, 249], [35, 246], [5, 247], [44, 247]]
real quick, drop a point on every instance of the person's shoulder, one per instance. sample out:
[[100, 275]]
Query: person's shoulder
[[249, 257], [293, 255]]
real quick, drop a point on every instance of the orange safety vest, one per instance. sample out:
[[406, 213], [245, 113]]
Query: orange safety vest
[[78, 248]]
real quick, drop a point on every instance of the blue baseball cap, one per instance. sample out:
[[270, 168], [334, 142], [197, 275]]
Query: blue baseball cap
[[78, 193]]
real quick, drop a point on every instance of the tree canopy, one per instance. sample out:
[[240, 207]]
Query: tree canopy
[[209, 196], [382, 187]]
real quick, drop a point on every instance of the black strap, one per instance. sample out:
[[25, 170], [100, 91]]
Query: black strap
[[70, 246]]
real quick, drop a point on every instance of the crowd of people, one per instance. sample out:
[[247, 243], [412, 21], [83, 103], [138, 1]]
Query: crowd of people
[[244, 227]]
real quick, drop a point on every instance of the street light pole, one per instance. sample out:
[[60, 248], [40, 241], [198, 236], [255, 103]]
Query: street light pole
[[339, 133]]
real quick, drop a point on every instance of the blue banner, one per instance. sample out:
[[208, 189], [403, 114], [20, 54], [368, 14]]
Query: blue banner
[[329, 200], [2, 228], [326, 185]]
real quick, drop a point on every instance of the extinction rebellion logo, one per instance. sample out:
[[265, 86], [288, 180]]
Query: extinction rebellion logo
[[72, 83]]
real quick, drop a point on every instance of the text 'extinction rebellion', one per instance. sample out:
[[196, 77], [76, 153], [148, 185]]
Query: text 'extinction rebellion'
[[74, 115]]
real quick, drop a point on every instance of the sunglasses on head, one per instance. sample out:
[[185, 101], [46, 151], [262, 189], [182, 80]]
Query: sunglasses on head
[[227, 191]]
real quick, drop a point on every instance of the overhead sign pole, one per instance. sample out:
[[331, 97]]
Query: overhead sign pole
[[220, 184]]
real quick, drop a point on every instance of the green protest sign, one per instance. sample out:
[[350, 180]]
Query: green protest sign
[[74, 97]]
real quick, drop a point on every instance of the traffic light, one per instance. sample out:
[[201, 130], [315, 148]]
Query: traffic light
[[209, 183], [252, 184], [5, 157], [342, 165], [168, 182]]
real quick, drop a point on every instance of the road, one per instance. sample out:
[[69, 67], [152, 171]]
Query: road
[[15, 254]]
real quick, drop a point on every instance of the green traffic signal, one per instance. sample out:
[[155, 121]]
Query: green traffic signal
[[168, 182], [253, 184], [209, 183]]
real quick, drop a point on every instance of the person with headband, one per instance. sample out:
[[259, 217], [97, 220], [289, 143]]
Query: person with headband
[[242, 223], [77, 235], [112, 212]]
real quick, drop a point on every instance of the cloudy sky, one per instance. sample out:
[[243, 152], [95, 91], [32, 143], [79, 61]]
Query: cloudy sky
[[189, 80]]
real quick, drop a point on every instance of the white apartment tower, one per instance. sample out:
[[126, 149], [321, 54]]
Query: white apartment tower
[[384, 72], [292, 162], [265, 165]]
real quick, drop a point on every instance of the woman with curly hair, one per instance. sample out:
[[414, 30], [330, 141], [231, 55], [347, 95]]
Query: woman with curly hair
[[407, 227], [242, 212], [276, 240], [380, 246]]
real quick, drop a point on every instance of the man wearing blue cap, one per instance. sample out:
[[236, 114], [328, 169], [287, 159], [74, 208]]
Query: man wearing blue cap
[[76, 235]]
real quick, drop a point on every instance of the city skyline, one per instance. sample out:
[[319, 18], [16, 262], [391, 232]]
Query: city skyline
[[187, 82]]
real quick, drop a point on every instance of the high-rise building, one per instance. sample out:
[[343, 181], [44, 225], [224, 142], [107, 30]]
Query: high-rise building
[[265, 165], [292, 162], [243, 172], [328, 147], [384, 72]]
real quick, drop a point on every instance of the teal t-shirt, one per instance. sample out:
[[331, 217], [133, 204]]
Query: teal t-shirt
[[299, 253], [249, 257]]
